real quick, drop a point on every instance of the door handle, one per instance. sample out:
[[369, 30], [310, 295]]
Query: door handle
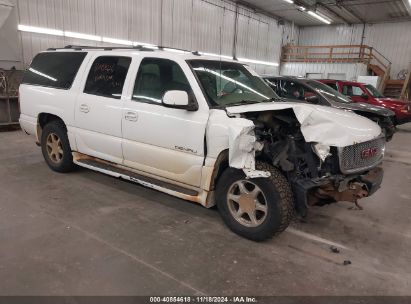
[[84, 108], [130, 116]]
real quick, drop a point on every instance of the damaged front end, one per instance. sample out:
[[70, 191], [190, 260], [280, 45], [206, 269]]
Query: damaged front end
[[318, 173]]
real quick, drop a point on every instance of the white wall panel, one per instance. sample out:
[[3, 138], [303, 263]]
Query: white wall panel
[[204, 25], [393, 40], [351, 70]]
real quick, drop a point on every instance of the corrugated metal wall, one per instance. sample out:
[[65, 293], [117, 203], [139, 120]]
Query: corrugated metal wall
[[393, 40], [205, 25], [346, 71]]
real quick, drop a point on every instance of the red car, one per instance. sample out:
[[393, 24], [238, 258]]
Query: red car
[[361, 92]]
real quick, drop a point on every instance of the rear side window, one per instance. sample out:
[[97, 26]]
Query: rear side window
[[107, 76], [54, 69]]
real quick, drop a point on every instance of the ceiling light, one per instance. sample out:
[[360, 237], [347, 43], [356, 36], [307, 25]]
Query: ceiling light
[[289, 1], [40, 30], [117, 41], [258, 62], [215, 55], [82, 36], [315, 15], [302, 8]]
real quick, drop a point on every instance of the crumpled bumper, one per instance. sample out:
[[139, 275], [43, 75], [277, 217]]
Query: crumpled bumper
[[373, 180], [351, 189]]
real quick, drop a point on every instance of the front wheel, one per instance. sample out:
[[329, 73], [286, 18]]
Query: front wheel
[[256, 208]]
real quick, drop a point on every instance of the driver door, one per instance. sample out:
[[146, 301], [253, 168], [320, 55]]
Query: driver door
[[159, 140]]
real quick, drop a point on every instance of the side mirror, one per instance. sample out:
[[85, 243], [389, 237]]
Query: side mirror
[[364, 96], [312, 99], [178, 100]]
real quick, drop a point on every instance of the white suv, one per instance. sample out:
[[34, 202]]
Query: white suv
[[198, 128]]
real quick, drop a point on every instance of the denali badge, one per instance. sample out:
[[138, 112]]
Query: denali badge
[[370, 152]]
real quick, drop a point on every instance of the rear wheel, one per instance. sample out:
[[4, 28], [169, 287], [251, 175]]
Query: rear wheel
[[55, 147], [256, 208]]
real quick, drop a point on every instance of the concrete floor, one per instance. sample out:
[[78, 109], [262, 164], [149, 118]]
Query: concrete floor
[[85, 233]]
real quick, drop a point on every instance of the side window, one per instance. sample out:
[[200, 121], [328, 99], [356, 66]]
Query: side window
[[107, 75], [54, 69], [293, 90], [157, 76], [352, 90], [332, 86]]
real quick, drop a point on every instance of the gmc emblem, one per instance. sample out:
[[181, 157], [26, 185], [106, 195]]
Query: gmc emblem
[[370, 152]]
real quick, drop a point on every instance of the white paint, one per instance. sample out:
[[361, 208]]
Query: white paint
[[176, 98], [321, 124]]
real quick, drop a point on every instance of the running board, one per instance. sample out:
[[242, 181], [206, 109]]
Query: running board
[[113, 170]]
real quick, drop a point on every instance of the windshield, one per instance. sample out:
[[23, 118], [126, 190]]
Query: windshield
[[229, 83], [373, 91], [328, 92]]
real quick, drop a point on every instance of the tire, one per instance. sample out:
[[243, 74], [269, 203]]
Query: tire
[[275, 190], [55, 147]]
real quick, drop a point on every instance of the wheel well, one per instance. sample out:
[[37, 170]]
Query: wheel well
[[42, 120], [221, 164]]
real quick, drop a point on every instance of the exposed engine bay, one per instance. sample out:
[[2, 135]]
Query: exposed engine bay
[[314, 170]]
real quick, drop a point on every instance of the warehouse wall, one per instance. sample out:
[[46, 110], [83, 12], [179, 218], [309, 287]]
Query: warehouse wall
[[342, 71], [10, 49], [393, 40], [204, 25]]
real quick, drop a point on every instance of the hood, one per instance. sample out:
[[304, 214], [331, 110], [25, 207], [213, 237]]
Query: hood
[[365, 107], [322, 124]]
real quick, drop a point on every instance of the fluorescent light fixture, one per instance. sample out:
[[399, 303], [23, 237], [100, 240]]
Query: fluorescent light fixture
[[215, 55], [82, 36], [40, 30], [258, 62], [117, 41], [302, 8], [289, 1], [175, 50], [321, 18]]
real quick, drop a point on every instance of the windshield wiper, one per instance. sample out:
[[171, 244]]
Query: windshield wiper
[[242, 102], [272, 99]]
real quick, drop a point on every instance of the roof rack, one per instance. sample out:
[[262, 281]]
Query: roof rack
[[110, 48], [105, 48]]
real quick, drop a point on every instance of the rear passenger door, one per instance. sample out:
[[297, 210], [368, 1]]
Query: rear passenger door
[[166, 142], [99, 108]]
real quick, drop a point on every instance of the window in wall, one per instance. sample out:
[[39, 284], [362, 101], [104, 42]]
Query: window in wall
[[155, 77], [54, 69], [107, 76]]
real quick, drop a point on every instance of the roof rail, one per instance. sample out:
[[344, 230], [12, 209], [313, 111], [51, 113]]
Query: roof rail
[[110, 48], [105, 48]]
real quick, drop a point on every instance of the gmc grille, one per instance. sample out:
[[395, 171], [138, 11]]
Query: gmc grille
[[362, 156]]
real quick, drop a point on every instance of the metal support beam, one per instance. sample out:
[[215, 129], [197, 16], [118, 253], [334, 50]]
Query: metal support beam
[[328, 9]]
